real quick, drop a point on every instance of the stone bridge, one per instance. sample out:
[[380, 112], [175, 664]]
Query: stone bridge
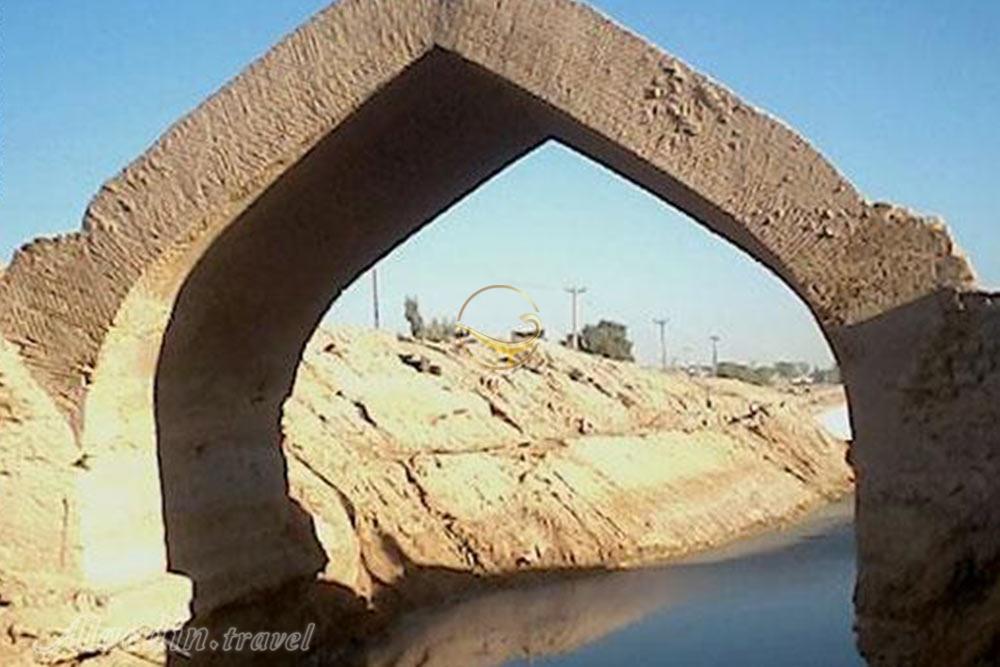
[[167, 332]]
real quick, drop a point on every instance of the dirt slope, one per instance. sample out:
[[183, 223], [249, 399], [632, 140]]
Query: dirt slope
[[409, 456], [424, 474]]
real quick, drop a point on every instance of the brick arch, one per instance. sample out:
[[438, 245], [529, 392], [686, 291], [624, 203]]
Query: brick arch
[[168, 330], [625, 102]]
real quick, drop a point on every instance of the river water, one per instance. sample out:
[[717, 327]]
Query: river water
[[778, 600], [836, 420]]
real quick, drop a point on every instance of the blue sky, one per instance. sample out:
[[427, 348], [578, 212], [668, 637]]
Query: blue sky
[[902, 97]]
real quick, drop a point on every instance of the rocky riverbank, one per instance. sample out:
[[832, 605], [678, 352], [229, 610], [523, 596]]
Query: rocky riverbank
[[425, 476], [408, 456]]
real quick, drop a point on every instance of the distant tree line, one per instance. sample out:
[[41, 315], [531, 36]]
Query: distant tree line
[[610, 340], [781, 371]]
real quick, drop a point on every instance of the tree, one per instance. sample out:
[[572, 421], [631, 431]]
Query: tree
[[791, 370], [437, 331], [827, 376], [735, 371], [607, 339], [411, 310]]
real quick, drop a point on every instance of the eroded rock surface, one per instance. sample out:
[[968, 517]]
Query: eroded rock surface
[[577, 462]]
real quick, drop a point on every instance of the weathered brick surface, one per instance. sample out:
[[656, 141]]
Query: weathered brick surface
[[924, 384], [631, 105]]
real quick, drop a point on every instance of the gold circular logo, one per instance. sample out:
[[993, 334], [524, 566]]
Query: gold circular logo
[[503, 355]]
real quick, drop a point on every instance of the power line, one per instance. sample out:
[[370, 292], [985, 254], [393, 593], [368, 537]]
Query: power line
[[662, 323], [575, 291], [715, 354], [375, 295]]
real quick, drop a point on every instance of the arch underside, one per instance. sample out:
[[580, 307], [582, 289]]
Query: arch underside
[[252, 301]]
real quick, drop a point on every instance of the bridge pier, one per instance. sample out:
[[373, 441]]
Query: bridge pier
[[924, 385]]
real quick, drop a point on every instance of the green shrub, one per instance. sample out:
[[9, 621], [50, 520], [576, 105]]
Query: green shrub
[[607, 339]]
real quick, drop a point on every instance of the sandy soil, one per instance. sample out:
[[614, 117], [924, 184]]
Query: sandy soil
[[426, 477], [576, 462]]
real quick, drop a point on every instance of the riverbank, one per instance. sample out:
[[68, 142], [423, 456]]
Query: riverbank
[[578, 462], [424, 478], [446, 482], [753, 591]]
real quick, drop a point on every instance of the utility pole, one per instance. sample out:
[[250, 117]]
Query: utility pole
[[663, 341], [715, 355], [375, 295], [575, 292]]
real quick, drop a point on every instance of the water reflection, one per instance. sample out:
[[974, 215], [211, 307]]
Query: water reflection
[[837, 421], [781, 599]]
